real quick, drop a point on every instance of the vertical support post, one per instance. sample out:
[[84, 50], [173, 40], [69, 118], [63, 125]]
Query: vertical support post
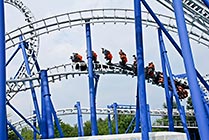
[[149, 119], [115, 106], [43, 129], [179, 107], [35, 102], [200, 112], [80, 120], [56, 120], [168, 96], [137, 111], [94, 129], [34, 124], [46, 97], [3, 122], [109, 124], [140, 70]]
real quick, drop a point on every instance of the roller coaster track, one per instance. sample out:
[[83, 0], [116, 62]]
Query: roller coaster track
[[196, 13], [33, 41], [57, 73], [58, 22], [65, 71], [106, 111]]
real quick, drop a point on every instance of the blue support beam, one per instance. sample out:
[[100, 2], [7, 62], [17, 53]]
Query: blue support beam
[[56, 120], [206, 2], [115, 106], [80, 120], [179, 107], [46, 100], [21, 116], [167, 93], [94, 129], [171, 39], [197, 101], [3, 114], [35, 102], [109, 124], [130, 124], [149, 118], [34, 124], [15, 131], [140, 70], [13, 55], [137, 115]]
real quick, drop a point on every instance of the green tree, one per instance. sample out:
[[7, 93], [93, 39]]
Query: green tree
[[67, 130], [12, 135], [27, 133]]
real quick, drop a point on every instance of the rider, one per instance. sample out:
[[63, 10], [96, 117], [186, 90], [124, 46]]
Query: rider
[[123, 58], [76, 58], [151, 70], [94, 57], [108, 55], [135, 64]]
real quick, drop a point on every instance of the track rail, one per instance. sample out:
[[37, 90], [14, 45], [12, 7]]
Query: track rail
[[58, 22], [196, 13], [66, 71], [58, 73], [106, 111], [33, 41]]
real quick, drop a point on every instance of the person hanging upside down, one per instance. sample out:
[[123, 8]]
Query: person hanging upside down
[[108, 55], [76, 58], [123, 58]]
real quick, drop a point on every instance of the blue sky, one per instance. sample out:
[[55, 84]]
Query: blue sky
[[55, 49]]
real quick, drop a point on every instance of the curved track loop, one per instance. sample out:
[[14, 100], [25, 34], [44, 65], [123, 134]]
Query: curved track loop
[[125, 16], [30, 19], [105, 111], [33, 41]]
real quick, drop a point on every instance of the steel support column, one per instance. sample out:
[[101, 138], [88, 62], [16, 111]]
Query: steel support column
[[115, 106], [46, 97], [168, 95], [109, 124], [137, 115], [15, 131], [94, 129], [80, 120], [140, 70], [206, 2], [179, 107], [3, 114], [34, 124], [197, 102], [35, 102]]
